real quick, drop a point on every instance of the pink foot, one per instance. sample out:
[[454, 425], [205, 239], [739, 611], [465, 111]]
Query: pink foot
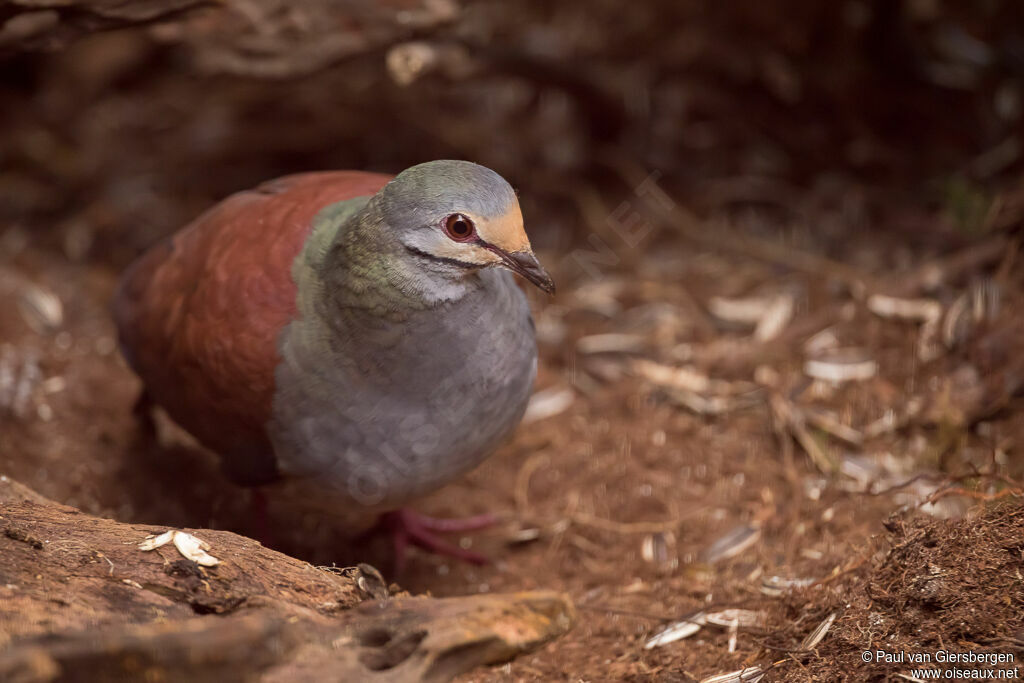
[[408, 526]]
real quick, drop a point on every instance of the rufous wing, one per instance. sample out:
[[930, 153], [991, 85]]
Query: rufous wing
[[199, 315]]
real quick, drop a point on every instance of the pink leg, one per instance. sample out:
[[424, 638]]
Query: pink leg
[[452, 526], [409, 527]]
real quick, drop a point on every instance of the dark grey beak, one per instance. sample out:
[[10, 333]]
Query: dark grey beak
[[527, 265]]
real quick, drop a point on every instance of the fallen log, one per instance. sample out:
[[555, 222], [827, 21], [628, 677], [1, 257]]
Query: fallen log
[[80, 601]]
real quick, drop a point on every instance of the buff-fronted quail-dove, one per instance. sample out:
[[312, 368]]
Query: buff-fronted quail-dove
[[355, 338]]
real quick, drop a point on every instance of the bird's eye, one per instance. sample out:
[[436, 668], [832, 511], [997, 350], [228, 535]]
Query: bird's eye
[[459, 227]]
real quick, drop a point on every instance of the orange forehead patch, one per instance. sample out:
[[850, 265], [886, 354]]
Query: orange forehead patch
[[505, 231]]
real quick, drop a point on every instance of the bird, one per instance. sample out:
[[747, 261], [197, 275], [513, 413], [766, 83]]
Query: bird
[[356, 339]]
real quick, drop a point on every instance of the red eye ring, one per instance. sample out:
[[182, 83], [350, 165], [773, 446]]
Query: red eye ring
[[459, 227]]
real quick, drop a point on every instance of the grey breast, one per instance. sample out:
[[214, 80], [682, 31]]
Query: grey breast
[[398, 411]]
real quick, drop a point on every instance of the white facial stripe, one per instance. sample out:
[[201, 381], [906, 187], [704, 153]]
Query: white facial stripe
[[465, 251], [438, 245]]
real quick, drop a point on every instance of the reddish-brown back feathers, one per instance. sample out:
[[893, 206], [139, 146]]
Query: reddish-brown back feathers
[[199, 314]]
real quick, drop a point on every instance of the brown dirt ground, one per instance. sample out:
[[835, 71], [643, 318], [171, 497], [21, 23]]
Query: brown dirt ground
[[622, 467]]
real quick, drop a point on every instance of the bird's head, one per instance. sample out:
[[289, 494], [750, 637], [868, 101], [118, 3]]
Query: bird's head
[[453, 218]]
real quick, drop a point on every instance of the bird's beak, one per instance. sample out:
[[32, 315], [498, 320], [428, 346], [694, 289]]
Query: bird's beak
[[527, 265]]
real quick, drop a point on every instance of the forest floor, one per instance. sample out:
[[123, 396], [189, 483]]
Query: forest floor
[[730, 428]]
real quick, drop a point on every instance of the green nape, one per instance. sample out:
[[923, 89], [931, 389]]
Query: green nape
[[347, 254]]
